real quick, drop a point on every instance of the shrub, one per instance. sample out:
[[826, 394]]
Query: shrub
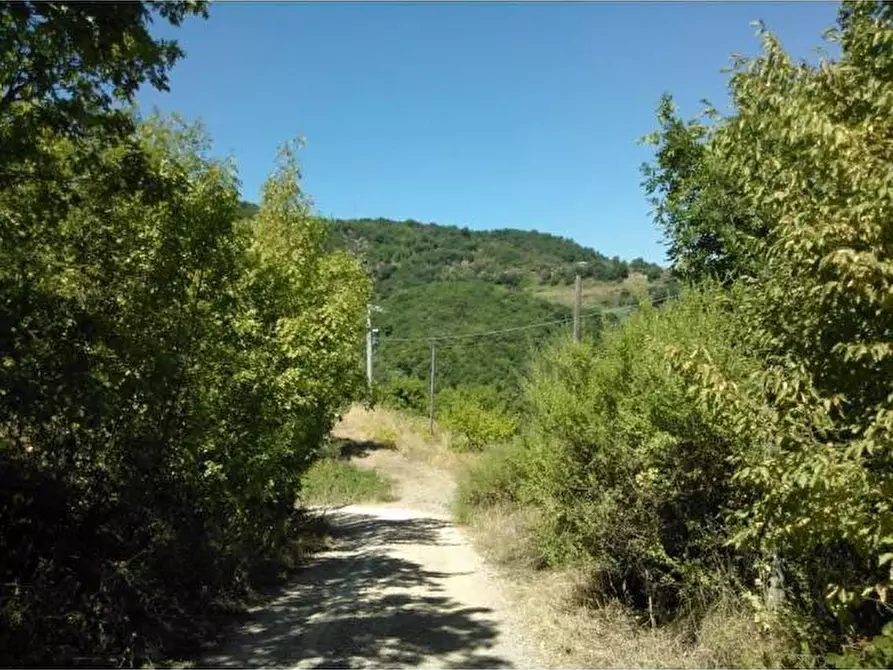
[[168, 374], [788, 200], [405, 393], [477, 415], [627, 470], [492, 480]]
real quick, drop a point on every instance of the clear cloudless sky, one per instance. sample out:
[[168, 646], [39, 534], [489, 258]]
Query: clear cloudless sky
[[486, 115]]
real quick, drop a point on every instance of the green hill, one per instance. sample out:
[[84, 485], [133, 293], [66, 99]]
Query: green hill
[[462, 308], [407, 253], [433, 280], [400, 254]]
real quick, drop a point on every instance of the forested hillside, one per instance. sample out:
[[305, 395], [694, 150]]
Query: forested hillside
[[400, 254], [460, 308], [406, 253], [432, 280]]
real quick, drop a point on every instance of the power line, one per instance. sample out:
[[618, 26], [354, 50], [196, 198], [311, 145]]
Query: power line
[[485, 333], [450, 341]]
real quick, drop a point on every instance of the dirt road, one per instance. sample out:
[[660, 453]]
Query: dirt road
[[402, 587]]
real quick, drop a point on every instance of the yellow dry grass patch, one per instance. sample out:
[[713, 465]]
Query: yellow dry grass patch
[[576, 632], [595, 293], [410, 435]]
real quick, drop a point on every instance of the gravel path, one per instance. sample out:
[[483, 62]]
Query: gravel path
[[402, 587]]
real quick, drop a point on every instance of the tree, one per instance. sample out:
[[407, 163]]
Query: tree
[[66, 67], [808, 151], [168, 373], [705, 221], [167, 369]]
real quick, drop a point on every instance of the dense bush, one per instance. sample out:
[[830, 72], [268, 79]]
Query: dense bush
[[167, 377], [626, 469], [790, 198], [476, 415], [741, 436], [404, 393], [168, 372]]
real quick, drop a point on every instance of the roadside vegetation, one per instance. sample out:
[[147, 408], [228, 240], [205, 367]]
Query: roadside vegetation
[[707, 481], [432, 280], [331, 481], [408, 433], [167, 371], [720, 468], [334, 480]]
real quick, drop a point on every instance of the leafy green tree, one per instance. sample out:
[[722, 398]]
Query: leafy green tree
[[102, 303], [66, 67], [168, 374], [807, 153], [168, 369], [812, 143], [477, 415], [697, 204], [405, 393]]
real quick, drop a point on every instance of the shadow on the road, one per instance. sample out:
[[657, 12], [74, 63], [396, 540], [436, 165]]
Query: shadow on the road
[[347, 448], [343, 612], [356, 532]]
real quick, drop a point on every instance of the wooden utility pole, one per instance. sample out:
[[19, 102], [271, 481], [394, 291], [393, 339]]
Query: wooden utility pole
[[578, 304], [369, 345], [431, 387], [371, 340]]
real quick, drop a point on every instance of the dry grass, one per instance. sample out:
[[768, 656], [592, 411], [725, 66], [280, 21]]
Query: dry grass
[[595, 637], [729, 636], [595, 293], [550, 603], [504, 536], [409, 434], [555, 606]]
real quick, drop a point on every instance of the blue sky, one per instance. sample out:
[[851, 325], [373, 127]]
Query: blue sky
[[486, 115]]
